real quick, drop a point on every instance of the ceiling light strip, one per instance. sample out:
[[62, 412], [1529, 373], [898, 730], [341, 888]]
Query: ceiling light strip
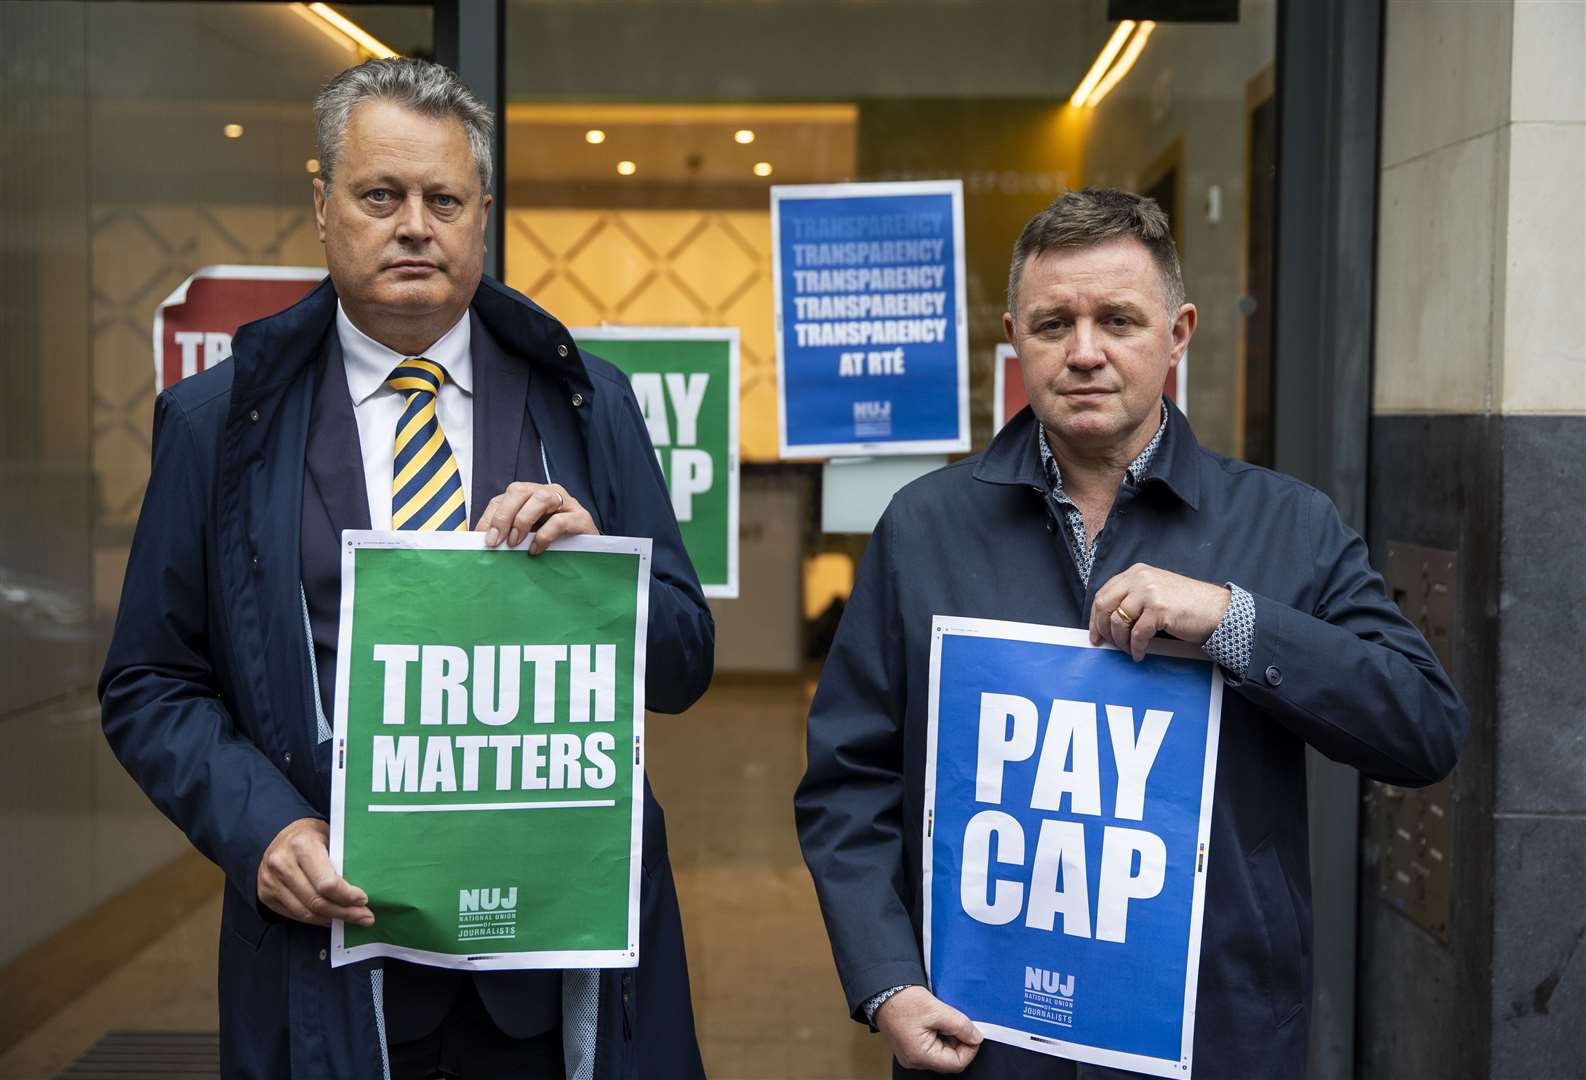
[[1099, 68], [1125, 62], [336, 26]]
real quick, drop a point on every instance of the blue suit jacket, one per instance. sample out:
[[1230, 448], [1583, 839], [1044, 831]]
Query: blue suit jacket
[[208, 701]]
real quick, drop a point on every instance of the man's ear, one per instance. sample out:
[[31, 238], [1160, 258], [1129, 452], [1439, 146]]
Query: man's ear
[[1183, 329], [320, 195]]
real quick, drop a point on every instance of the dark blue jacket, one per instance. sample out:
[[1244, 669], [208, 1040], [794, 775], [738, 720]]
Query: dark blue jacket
[[208, 701], [1335, 665]]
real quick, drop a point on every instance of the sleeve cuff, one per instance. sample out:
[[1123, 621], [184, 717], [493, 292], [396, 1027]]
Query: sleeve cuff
[[1230, 645], [879, 1000]]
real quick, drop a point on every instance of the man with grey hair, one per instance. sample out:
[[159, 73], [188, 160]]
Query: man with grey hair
[[1095, 507], [409, 392]]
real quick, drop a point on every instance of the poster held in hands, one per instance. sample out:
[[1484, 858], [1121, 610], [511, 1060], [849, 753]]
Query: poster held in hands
[[1068, 802], [487, 769]]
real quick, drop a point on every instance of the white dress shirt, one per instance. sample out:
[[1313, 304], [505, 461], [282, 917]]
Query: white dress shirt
[[378, 408]]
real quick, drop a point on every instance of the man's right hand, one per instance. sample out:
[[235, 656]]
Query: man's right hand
[[297, 880], [926, 1033]]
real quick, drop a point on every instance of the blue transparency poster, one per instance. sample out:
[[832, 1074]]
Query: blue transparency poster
[[871, 338], [1068, 800]]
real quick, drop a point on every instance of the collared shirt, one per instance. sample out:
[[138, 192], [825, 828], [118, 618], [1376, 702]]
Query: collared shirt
[[1229, 645], [377, 407]]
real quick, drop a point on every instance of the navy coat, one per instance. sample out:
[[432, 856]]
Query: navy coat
[[1335, 665], [208, 701]]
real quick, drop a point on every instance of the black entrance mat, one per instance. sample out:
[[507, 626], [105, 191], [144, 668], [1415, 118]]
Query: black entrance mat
[[127, 1055]]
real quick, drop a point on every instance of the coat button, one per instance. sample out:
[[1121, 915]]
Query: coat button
[[1274, 677], [323, 954], [254, 416], [255, 562], [578, 399], [561, 350], [287, 757]]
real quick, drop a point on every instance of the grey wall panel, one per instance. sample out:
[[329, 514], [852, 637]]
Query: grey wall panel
[[1541, 751], [1423, 1006], [1539, 946], [1538, 1017]]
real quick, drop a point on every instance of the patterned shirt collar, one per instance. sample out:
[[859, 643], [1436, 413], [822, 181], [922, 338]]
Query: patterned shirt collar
[[1135, 472]]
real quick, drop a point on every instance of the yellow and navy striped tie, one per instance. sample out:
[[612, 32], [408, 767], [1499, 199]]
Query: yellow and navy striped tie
[[426, 490]]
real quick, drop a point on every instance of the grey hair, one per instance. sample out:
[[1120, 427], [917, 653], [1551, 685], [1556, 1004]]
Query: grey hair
[[432, 90], [1083, 219]]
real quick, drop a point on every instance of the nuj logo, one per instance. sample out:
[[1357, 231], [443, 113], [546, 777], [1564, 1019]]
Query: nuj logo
[[872, 411], [1048, 982], [487, 900]]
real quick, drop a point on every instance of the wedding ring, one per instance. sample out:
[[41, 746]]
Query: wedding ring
[[1128, 620]]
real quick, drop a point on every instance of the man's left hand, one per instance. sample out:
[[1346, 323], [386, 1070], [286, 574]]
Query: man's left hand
[[546, 510], [1132, 607]]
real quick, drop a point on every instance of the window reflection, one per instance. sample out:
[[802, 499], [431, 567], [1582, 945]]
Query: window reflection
[[822, 91], [145, 140]]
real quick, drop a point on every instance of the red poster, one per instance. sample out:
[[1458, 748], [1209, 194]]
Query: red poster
[[1009, 396], [193, 327]]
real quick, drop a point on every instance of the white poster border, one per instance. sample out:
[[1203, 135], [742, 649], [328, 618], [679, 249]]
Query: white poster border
[[815, 451], [355, 540], [999, 385], [727, 590], [943, 625]]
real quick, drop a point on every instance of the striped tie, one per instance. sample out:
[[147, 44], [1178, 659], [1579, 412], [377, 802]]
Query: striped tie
[[426, 490]]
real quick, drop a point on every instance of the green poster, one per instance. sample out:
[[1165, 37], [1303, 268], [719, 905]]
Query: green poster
[[486, 789], [686, 380]]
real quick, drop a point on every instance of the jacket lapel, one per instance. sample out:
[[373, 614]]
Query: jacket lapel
[[335, 458], [501, 393]]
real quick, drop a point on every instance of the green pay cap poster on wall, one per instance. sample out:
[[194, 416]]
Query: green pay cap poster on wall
[[487, 779], [686, 380]]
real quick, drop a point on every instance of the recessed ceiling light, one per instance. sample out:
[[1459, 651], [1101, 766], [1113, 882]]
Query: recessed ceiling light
[[626, 168], [312, 165], [232, 131], [743, 136], [762, 168], [594, 136]]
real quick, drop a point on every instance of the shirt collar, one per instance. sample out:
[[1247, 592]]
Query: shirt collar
[[369, 363], [1135, 472]]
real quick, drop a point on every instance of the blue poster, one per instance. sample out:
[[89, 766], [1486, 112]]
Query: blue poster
[[871, 338], [1067, 812]]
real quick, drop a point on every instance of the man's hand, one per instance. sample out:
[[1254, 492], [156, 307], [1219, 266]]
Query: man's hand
[[546, 510], [925, 1033], [1142, 600], [297, 880]]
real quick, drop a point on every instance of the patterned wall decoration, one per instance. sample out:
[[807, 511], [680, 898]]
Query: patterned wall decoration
[[655, 267], [660, 268]]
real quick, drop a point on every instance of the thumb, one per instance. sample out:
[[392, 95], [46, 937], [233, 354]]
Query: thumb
[[949, 1021]]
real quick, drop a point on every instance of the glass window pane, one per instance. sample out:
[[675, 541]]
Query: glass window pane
[[144, 141], [631, 198]]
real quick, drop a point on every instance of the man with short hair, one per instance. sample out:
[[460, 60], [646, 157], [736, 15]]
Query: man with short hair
[[406, 392], [1096, 507]]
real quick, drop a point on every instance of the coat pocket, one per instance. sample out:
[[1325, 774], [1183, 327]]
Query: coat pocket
[[1282, 929], [242, 921]]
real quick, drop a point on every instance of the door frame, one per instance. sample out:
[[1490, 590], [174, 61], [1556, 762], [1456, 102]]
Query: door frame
[[1329, 66]]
